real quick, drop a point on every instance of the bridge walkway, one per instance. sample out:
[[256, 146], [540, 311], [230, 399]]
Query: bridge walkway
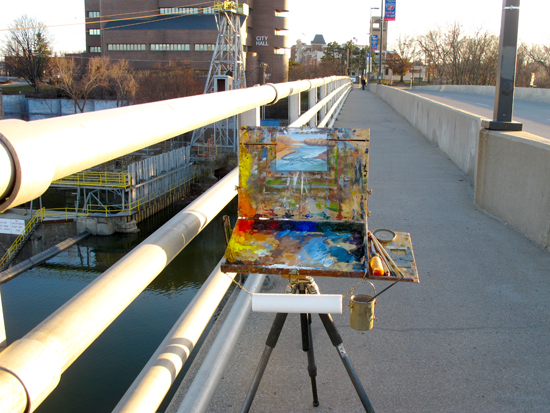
[[472, 336]]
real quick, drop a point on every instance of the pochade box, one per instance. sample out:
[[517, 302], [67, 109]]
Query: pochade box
[[303, 202]]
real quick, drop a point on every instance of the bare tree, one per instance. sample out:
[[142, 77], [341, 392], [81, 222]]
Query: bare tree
[[460, 59], [28, 49], [122, 82], [79, 81], [540, 54], [166, 83], [401, 60]]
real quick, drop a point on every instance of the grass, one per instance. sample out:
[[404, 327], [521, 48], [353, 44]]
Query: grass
[[8, 89]]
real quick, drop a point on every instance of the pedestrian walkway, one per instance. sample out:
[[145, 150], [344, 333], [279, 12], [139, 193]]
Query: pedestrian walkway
[[473, 336]]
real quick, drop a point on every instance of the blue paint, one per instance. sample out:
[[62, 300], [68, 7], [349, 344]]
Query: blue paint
[[341, 254], [315, 248]]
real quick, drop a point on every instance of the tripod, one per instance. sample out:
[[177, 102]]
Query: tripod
[[306, 286]]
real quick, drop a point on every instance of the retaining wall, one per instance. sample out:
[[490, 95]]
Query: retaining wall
[[521, 93], [456, 132], [510, 170]]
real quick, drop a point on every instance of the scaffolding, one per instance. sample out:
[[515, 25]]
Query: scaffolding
[[226, 73]]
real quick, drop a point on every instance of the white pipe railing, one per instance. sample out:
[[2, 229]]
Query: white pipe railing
[[40, 152], [151, 385], [39, 358], [302, 120], [43, 151]]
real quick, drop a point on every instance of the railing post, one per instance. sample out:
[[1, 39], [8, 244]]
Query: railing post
[[312, 101], [294, 103], [323, 94], [3, 342]]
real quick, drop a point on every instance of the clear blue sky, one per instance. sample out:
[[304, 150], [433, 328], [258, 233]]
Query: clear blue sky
[[337, 20]]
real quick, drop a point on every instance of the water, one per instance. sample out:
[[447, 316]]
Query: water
[[98, 379], [303, 159]]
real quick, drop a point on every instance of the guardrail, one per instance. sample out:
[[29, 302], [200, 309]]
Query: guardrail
[[32, 366], [21, 239], [117, 209], [101, 179]]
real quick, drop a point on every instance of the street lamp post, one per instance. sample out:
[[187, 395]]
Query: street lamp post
[[381, 41], [369, 60]]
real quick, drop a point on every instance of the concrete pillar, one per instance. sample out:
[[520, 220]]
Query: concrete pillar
[[312, 101], [294, 102], [250, 118]]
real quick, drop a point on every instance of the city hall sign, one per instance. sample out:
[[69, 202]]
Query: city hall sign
[[261, 41]]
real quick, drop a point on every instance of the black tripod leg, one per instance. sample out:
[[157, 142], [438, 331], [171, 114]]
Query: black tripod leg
[[337, 342], [307, 346], [270, 344]]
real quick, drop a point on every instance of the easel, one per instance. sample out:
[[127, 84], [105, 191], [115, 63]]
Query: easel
[[306, 285], [303, 206]]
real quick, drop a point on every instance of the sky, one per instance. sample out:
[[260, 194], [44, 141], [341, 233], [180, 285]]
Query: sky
[[336, 20]]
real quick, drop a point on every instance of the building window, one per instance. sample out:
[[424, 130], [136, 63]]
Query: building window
[[204, 47], [208, 10], [132, 47], [201, 73], [164, 47], [95, 49], [179, 10], [94, 32], [93, 14], [281, 51]]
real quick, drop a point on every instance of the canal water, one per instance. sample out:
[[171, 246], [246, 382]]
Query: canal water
[[98, 379]]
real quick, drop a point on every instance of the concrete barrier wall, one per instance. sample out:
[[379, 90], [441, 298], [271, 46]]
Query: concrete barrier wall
[[513, 182], [454, 131], [511, 171], [521, 93]]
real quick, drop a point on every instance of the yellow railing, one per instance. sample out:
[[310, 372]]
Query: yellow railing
[[20, 240], [118, 208], [102, 179]]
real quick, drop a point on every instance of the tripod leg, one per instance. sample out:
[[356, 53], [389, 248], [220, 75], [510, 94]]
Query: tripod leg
[[337, 342], [307, 346], [270, 344]]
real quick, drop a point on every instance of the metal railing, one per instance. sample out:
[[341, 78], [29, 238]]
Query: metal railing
[[95, 179], [33, 365], [21, 239]]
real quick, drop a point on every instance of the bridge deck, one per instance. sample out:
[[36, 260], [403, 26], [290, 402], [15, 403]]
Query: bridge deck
[[472, 336]]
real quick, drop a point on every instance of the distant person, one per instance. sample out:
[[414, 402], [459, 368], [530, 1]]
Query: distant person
[[363, 83]]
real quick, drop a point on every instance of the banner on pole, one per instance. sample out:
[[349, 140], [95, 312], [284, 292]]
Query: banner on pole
[[374, 42], [389, 9]]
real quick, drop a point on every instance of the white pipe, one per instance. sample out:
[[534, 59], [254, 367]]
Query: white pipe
[[151, 385], [302, 120], [49, 349], [208, 377], [297, 303], [45, 150]]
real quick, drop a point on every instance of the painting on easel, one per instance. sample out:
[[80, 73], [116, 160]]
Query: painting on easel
[[304, 173]]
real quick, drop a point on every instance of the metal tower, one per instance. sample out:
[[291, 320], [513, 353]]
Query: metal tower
[[226, 72]]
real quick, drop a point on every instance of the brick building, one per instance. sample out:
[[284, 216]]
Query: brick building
[[153, 33]]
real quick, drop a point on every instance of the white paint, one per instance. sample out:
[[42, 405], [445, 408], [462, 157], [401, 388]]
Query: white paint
[[297, 303]]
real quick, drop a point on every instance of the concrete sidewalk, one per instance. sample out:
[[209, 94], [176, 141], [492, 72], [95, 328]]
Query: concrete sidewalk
[[473, 336]]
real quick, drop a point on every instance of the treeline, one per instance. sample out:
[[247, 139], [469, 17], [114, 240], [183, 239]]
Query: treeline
[[449, 56], [102, 78]]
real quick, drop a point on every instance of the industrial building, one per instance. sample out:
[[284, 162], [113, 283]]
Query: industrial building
[[156, 33]]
